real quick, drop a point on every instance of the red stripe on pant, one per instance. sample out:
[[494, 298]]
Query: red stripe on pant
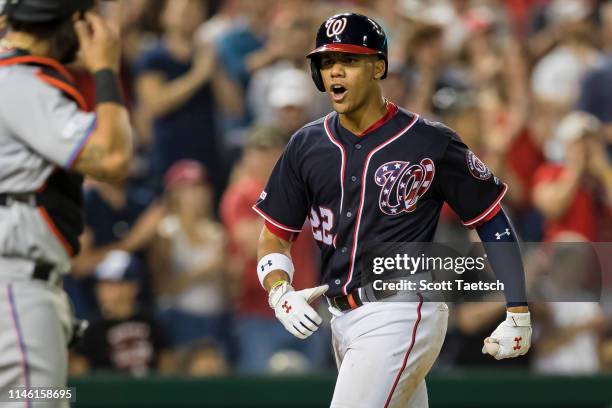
[[414, 330]]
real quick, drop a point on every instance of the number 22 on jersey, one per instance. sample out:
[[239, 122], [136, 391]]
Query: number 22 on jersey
[[322, 222]]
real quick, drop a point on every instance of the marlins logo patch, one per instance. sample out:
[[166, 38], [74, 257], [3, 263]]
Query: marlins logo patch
[[477, 168]]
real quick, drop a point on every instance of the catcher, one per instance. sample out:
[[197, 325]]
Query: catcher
[[49, 140]]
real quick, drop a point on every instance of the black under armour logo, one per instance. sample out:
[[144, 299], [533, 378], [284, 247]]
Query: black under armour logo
[[264, 265]]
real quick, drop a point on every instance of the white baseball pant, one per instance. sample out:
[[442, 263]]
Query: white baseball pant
[[384, 351], [35, 325]]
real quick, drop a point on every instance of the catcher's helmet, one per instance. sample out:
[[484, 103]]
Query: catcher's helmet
[[42, 11], [351, 33]]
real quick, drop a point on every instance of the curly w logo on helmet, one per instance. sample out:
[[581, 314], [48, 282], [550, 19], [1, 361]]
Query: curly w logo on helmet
[[335, 26]]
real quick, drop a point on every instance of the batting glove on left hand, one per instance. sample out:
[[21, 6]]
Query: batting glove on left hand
[[512, 338], [293, 310]]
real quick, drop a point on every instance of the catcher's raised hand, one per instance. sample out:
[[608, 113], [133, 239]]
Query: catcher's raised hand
[[99, 42], [512, 338]]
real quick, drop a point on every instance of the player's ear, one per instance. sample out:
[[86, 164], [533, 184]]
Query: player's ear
[[379, 68]]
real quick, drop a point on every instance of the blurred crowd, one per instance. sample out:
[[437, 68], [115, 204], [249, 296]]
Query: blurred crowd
[[217, 87]]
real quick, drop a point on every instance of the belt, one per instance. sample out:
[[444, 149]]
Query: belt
[[357, 297], [43, 272], [348, 302], [7, 199]]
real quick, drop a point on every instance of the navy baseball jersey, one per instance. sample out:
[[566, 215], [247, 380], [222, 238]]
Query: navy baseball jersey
[[388, 185]]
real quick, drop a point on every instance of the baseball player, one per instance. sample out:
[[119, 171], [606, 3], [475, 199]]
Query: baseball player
[[373, 172], [48, 142]]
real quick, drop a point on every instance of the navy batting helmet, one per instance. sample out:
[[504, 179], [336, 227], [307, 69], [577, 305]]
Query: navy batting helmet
[[351, 33], [42, 11]]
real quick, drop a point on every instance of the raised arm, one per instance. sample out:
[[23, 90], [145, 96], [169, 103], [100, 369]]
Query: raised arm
[[160, 97], [107, 152]]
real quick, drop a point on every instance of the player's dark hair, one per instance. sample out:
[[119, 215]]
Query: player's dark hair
[[59, 33], [39, 30]]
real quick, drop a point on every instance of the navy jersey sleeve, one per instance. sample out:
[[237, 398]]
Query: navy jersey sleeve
[[468, 185], [284, 202]]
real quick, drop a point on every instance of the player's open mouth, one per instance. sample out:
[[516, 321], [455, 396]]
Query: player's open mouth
[[338, 92]]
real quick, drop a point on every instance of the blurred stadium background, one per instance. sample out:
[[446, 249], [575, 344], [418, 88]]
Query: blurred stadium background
[[217, 87]]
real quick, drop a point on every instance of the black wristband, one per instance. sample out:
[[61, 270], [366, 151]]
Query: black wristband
[[107, 87]]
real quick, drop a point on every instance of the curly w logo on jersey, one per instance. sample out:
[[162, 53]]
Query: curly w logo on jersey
[[402, 184]]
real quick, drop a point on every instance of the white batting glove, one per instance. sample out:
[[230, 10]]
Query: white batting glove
[[293, 310], [512, 338]]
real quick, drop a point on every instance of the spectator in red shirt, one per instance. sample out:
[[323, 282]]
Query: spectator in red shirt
[[259, 334], [575, 195]]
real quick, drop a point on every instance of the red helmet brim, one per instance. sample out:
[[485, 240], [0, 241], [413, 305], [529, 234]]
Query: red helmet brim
[[347, 48]]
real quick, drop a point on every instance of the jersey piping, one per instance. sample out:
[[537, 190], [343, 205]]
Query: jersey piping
[[361, 199], [273, 221], [489, 212], [343, 156]]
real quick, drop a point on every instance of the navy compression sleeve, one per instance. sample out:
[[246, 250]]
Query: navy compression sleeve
[[502, 248]]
